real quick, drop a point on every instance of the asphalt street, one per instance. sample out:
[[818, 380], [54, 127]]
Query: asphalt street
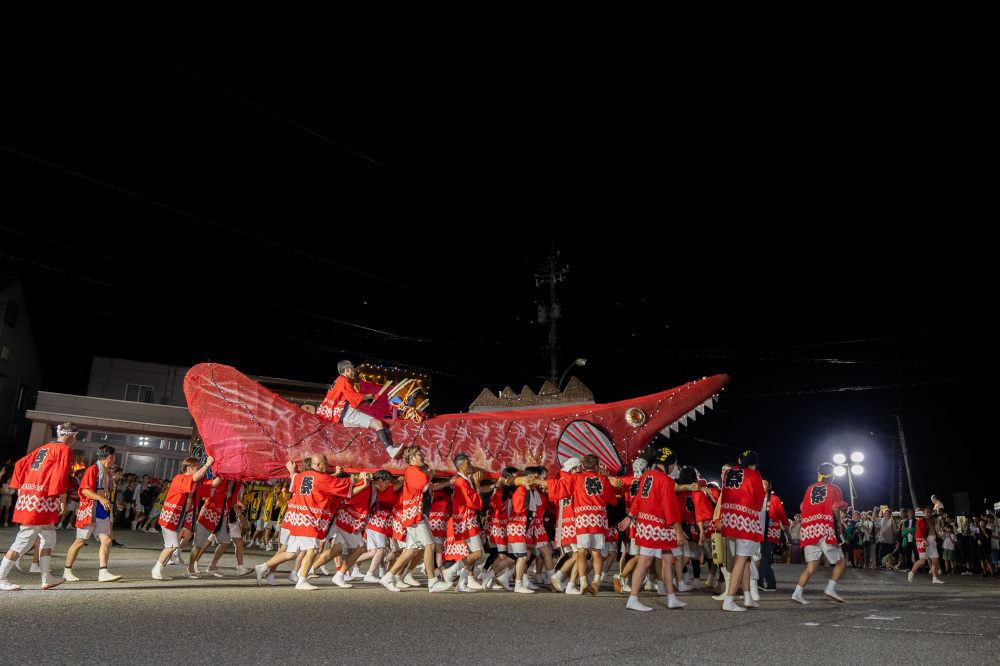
[[234, 621]]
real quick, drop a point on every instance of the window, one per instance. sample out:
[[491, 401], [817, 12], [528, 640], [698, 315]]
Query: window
[[139, 393], [10, 313]]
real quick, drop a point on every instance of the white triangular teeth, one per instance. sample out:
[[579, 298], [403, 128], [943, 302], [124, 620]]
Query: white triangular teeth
[[693, 414]]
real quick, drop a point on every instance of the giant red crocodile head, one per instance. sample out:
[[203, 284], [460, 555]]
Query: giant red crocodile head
[[631, 424]]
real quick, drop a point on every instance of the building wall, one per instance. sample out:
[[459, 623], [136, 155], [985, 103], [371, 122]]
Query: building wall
[[137, 381]]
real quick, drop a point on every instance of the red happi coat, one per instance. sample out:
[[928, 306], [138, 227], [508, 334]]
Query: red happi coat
[[40, 479], [415, 484], [817, 514], [694, 508], [381, 519], [656, 513], [776, 519], [310, 510], [353, 513], [465, 504], [440, 513], [591, 493], [340, 394], [742, 500], [216, 506], [500, 510], [90, 481]]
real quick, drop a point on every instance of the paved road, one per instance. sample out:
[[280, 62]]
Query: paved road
[[233, 621]]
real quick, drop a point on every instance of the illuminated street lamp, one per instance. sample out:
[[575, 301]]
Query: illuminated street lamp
[[841, 468], [578, 362]]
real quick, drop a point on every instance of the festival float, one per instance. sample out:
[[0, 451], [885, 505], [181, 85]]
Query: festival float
[[252, 432]]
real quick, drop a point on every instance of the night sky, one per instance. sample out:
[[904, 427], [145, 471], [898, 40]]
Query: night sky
[[278, 192]]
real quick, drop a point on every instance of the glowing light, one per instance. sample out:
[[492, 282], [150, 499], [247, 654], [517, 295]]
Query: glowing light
[[840, 459], [840, 470], [857, 469], [857, 457]]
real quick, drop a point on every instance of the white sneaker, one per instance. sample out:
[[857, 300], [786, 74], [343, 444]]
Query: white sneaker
[[68, 575], [339, 581], [672, 602], [504, 579], [261, 571], [305, 585], [636, 605], [215, 572], [661, 588], [369, 578], [463, 586], [748, 601], [797, 596], [473, 584], [7, 586], [730, 605], [191, 574], [158, 572], [753, 590], [489, 580], [520, 587], [106, 576], [526, 582], [323, 570], [449, 574], [400, 583], [684, 586], [937, 581], [558, 582], [34, 568], [410, 580], [388, 583], [294, 576], [243, 570], [353, 574], [909, 576], [571, 588], [50, 581], [831, 593], [440, 586]]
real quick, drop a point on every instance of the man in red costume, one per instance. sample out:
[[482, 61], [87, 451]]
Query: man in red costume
[[465, 505], [94, 515], [739, 510], [926, 539], [656, 518], [591, 492], [308, 518], [414, 507], [177, 508], [342, 402], [820, 516], [41, 478]]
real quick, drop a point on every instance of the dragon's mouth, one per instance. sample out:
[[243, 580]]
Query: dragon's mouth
[[675, 426]]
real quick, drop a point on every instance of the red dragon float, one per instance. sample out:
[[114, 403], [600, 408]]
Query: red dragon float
[[252, 432]]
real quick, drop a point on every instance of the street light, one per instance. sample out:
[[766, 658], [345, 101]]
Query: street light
[[580, 362], [850, 470]]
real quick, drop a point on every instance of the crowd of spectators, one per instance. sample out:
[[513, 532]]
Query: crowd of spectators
[[882, 539]]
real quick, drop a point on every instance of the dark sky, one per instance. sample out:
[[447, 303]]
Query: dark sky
[[278, 191]]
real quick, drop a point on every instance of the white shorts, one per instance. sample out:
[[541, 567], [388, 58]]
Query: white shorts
[[592, 541], [651, 552], [374, 540], [98, 526], [235, 532], [538, 546], [155, 513], [419, 535], [692, 549], [474, 543], [352, 418], [348, 540], [170, 538], [742, 547], [299, 543], [27, 535], [283, 536], [832, 551], [517, 548], [632, 548]]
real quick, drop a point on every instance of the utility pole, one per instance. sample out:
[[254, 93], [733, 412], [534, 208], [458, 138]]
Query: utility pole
[[549, 312], [909, 469]]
